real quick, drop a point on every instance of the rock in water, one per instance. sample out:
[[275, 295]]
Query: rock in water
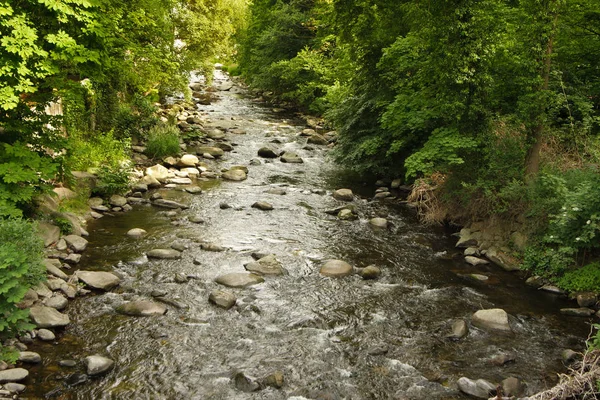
[[336, 269], [142, 308], [459, 329], [30, 357], [236, 175], [47, 317], [480, 388], [13, 375], [267, 152], [379, 223], [262, 205], [164, 254], [239, 279], [99, 279], [157, 172], [222, 299], [343, 195], [136, 232], [476, 260], [96, 364], [245, 383], [268, 265], [291, 158], [495, 319], [169, 204], [77, 243], [370, 272], [46, 335]]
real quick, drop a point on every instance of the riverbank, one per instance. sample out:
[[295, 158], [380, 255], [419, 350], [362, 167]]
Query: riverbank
[[294, 332]]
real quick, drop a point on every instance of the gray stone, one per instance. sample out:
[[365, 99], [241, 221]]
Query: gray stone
[[512, 387], [472, 251], [222, 299], [379, 223], [151, 182], [14, 387], [466, 239], [480, 388], [212, 247], [503, 260], [69, 290], [519, 240], [42, 290], [169, 204], [57, 301], [535, 281], [277, 191], [460, 329], [343, 195], [50, 233], [317, 139], [164, 254], [336, 269], [29, 299], [275, 379], [268, 152], [136, 232], [140, 187], [245, 383], [73, 258], [494, 319], [158, 172], [268, 265], [196, 219], [30, 357], [117, 201], [193, 190], [578, 312], [77, 243], [262, 205], [47, 317], [188, 160], [99, 279], [54, 283], [235, 175], [239, 279], [587, 299], [215, 152], [552, 289], [291, 158], [13, 375], [370, 272], [475, 260], [347, 214], [97, 364], [180, 181], [67, 363], [224, 146], [61, 245], [46, 335], [142, 308], [53, 267], [396, 183]]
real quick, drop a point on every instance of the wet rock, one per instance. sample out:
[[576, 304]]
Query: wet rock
[[215, 152], [466, 239], [317, 139], [97, 364], [494, 319], [222, 299], [14, 387], [476, 261], [472, 251], [502, 259], [379, 223], [587, 299], [239, 279], [117, 201], [42, 290], [343, 195], [382, 195], [13, 375], [370, 272], [99, 279], [150, 181], [158, 172], [262, 205], [268, 265], [194, 190], [336, 269], [480, 388], [245, 383], [30, 357], [46, 335], [76, 379], [277, 191], [69, 290], [212, 247], [140, 187], [136, 232], [535, 281], [291, 158], [53, 267], [57, 301], [47, 317], [552, 289], [569, 355], [179, 246], [275, 380], [77, 243], [180, 278], [169, 204], [346, 214], [503, 359], [164, 254], [235, 175], [142, 308], [49, 233], [459, 330], [224, 146], [188, 160], [73, 258], [512, 387], [67, 363], [578, 312], [255, 161], [180, 181], [268, 152], [224, 206]]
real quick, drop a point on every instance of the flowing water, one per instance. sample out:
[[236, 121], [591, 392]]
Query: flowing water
[[331, 338]]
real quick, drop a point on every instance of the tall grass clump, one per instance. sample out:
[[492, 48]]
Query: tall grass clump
[[163, 140]]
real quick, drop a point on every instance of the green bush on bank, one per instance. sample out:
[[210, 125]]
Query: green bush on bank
[[163, 141], [21, 267]]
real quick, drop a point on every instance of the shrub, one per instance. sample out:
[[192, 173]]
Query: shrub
[[21, 267], [586, 278], [97, 150], [163, 140], [65, 226], [112, 180]]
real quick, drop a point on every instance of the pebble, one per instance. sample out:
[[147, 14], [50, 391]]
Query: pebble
[[46, 335]]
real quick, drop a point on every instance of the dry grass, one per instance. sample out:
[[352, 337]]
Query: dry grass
[[424, 198]]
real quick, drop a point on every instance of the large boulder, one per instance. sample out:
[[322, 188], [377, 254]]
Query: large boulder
[[142, 308], [47, 317], [50, 233], [494, 319], [336, 269], [99, 279], [158, 172], [239, 279], [77, 243]]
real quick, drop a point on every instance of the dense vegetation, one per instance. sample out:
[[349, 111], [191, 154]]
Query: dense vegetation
[[494, 106], [78, 83]]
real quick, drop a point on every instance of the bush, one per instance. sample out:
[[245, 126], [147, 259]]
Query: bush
[[97, 150], [112, 180], [21, 267], [163, 140], [586, 278]]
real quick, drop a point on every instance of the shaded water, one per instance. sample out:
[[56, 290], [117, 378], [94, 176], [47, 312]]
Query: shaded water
[[332, 339]]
